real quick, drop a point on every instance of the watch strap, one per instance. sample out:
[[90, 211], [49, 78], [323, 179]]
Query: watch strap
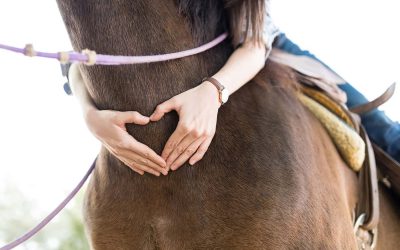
[[215, 82]]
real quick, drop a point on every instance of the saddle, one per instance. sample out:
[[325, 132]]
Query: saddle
[[321, 95], [360, 154]]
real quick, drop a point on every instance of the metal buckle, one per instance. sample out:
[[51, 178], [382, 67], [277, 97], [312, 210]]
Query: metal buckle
[[372, 233]]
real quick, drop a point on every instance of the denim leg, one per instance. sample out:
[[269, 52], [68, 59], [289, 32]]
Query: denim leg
[[383, 131]]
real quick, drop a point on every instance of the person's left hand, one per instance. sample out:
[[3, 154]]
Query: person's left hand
[[197, 109]]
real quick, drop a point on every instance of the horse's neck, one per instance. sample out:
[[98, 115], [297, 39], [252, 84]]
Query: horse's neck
[[139, 28]]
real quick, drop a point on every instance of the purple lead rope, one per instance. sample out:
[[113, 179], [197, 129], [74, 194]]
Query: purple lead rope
[[49, 217], [91, 58]]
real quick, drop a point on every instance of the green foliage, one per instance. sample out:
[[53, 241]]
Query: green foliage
[[17, 216]]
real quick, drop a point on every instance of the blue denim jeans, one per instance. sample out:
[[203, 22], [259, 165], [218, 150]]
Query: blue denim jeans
[[382, 131]]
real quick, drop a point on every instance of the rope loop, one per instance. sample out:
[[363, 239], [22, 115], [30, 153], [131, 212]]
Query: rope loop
[[63, 57], [29, 50], [91, 56]]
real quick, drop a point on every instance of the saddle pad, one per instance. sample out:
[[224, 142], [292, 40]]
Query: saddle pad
[[336, 108], [349, 144]]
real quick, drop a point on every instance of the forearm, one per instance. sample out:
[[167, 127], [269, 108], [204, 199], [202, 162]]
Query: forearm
[[79, 89], [244, 63]]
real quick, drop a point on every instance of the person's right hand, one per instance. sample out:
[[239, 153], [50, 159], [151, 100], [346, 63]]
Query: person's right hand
[[109, 127]]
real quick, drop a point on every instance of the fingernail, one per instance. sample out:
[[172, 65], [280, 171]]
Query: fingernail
[[173, 167], [165, 172]]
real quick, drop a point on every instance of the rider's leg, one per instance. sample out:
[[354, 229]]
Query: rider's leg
[[383, 131]]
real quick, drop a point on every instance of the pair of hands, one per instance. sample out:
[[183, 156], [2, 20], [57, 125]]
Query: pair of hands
[[197, 109]]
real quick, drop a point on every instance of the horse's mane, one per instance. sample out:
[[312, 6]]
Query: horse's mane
[[207, 18]]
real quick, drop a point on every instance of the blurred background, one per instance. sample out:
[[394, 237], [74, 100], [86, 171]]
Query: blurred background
[[45, 147]]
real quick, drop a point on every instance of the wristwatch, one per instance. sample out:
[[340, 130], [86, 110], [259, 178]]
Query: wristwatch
[[223, 92]]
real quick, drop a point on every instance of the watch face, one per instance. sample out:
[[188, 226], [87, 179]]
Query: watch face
[[224, 95]]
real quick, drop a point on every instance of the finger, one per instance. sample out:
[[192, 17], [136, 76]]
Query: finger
[[187, 154], [126, 162], [163, 108], [137, 159], [123, 159], [147, 169], [182, 147], [147, 153], [133, 117], [140, 168], [200, 151], [177, 136]]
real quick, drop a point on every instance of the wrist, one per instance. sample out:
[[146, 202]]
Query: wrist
[[211, 92], [223, 93]]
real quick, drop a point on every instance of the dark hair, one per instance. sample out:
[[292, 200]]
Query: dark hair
[[246, 19]]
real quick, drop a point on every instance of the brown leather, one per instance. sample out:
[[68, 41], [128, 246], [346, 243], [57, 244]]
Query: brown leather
[[312, 72], [218, 85], [306, 65], [368, 181], [389, 169], [215, 82], [364, 108]]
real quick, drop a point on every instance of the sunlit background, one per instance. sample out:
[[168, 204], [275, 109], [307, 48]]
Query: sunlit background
[[45, 147]]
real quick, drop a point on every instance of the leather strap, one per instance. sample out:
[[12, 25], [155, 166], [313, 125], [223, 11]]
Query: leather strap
[[364, 108], [215, 82], [219, 87], [311, 72], [368, 202], [389, 169]]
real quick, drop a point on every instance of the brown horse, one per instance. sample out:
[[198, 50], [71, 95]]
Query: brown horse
[[271, 179]]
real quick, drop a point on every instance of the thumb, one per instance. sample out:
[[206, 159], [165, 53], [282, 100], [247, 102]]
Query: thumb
[[133, 117], [163, 108]]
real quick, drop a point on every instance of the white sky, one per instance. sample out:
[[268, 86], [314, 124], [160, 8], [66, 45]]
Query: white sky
[[45, 147]]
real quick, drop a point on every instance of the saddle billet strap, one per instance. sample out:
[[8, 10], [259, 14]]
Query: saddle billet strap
[[368, 202], [389, 169], [364, 108]]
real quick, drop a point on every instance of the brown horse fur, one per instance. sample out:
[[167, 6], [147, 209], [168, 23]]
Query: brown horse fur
[[271, 178], [389, 226]]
